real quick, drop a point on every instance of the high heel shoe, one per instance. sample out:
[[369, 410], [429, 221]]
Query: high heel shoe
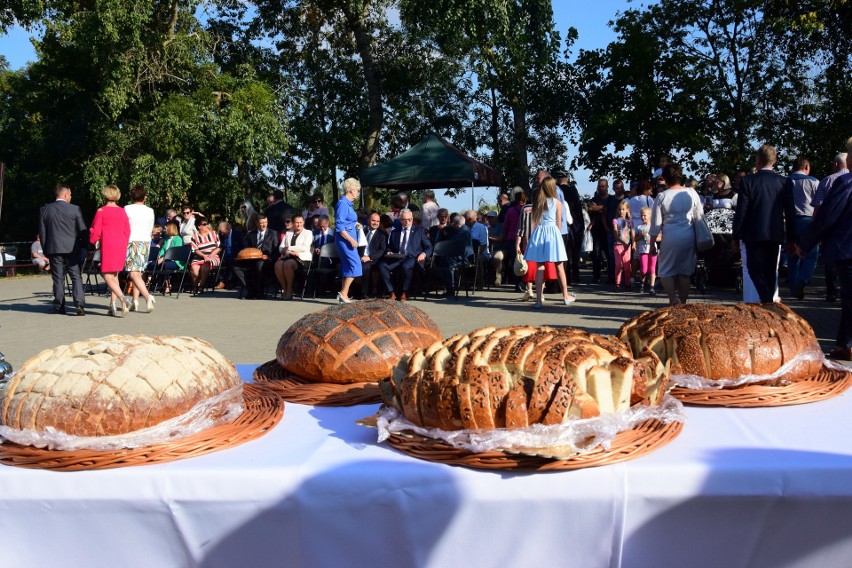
[[151, 302], [112, 309], [134, 306], [125, 306], [570, 299], [342, 300], [536, 306]]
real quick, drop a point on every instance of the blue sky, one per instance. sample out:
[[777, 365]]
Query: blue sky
[[589, 17]]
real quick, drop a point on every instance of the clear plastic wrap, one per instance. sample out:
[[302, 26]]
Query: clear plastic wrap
[[220, 409], [575, 436], [694, 382]]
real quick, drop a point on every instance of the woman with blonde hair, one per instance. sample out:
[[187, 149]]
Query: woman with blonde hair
[[248, 216], [545, 244], [111, 228]]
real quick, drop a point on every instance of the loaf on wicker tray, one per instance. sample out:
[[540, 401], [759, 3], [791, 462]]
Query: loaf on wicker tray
[[354, 343], [716, 341], [518, 376], [114, 385]]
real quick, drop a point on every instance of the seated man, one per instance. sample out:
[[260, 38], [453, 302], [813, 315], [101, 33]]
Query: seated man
[[377, 243], [253, 274], [40, 261], [407, 246], [479, 236], [232, 242], [322, 236]]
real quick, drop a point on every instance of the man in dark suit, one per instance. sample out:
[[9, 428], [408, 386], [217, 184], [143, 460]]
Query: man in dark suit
[[577, 226], [232, 242], [278, 211], [407, 246], [377, 244], [764, 207], [60, 225], [253, 273]]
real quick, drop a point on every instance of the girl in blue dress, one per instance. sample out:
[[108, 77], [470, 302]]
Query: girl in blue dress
[[545, 244], [345, 237]]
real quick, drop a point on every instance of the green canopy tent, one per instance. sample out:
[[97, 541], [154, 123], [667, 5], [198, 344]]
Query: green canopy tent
[[431, 163]]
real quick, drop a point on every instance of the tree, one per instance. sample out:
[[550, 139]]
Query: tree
[[510, 45]]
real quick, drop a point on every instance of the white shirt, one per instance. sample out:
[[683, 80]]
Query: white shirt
[[141, 221]]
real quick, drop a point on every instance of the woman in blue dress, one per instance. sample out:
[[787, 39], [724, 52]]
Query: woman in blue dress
[[345, 237], [545, 244]]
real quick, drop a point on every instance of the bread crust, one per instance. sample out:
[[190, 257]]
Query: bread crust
[[355, 343], [114, 385], [716, 341], [518, 376]]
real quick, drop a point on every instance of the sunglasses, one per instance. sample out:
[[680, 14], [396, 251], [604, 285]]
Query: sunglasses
[[203, 224], [317, 201], [187, 212]]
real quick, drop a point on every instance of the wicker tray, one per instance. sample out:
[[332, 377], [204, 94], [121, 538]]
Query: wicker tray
[[263, 410], [302, 391], [644, 438], [827, 383]]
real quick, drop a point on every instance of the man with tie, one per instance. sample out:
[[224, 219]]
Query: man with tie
[[322, 236], [408, 245], [377, 243], [253, 273], [59, 228]]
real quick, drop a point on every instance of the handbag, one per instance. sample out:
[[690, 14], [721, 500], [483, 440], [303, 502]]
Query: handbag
[[703, 236], [588, 243], [520, 266]]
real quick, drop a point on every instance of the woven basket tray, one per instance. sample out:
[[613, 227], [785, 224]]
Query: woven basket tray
[[263, 410], [826, 384], [302, 391], [644, 438]]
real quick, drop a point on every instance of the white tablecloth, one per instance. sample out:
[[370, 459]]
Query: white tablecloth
[[740, 487]]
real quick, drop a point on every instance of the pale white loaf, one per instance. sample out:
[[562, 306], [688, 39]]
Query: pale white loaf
[[114, 385]]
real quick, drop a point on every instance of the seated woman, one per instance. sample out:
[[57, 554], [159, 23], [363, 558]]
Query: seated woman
[[296, 252], [171, 239], [205, 249]]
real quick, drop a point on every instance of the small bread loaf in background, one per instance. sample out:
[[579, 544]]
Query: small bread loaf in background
[[114, 385], [518, 376], [354, 343], [717, 341]]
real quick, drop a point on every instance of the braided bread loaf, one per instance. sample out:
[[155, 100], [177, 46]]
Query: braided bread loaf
[[518, 376], [354, 343], [114, 385], [717, 341]]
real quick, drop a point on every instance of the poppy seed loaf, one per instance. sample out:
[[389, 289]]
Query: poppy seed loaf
[[354, 343], [114, 385], [716, 341], [518, 376]]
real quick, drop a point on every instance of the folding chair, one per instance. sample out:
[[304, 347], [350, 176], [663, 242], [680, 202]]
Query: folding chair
[[443, 255], [179, 254], [91, 269], [317, 271]]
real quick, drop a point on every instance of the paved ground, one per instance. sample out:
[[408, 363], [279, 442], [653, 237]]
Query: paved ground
[[247, 331]]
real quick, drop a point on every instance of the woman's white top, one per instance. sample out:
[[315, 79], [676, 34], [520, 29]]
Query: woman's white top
[[141, 221]]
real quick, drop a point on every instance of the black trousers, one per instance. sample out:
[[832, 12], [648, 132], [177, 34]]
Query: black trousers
[[59, 264], [762, 264]]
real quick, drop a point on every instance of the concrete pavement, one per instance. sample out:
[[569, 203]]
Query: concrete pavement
[[247, 331]]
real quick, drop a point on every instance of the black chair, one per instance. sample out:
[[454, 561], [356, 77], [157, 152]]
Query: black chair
[[318, 272], [445, 254], [162, 274], [91, 269]]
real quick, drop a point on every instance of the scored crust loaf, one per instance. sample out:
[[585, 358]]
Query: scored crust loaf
[[517, 376], [716, 341], [114, 385], [354, 343]]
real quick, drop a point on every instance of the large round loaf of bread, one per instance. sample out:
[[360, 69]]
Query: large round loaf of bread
[[518, 376], [716, 341], [250, 253], [354, 343], [114, 385]]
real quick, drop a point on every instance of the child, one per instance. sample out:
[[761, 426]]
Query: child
[[647, 250], [623, 230]]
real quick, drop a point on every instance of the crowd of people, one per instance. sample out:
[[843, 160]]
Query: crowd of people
[[641, 234]]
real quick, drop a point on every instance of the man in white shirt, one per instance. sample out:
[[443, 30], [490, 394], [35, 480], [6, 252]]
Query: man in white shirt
[[804, 187]]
